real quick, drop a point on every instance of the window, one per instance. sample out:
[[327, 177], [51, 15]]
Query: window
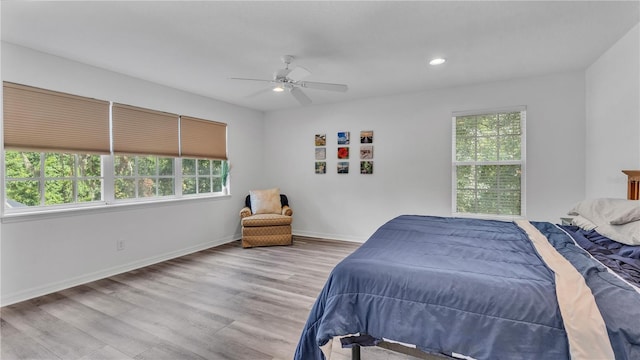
[[201, 176], [143, 176], [488, 162], [67, 150], [38, 179]]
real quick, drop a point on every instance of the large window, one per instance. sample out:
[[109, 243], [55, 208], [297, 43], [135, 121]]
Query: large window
[[488, 162], [38, 179], [65, 150]]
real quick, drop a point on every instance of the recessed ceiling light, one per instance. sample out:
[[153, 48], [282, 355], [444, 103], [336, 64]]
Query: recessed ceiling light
[[437, 61]]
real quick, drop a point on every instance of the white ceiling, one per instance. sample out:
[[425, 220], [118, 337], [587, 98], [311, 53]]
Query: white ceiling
[[377, 48]]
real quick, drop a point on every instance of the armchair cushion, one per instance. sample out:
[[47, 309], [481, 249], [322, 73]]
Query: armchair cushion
[[266, 220], [265, 201]]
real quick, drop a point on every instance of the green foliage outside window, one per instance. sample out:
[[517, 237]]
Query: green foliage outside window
[[487, 160], [68, 178], [201, 176], [143, 176]]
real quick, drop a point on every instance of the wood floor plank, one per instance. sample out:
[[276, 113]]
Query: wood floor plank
[[106, 353], [58, 336], [17, 345], [110, 330], [222, 303]]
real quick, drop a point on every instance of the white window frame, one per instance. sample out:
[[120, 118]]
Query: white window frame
[[522, 162], [108, 190], [211, 176], [137, 177], [42, 178]]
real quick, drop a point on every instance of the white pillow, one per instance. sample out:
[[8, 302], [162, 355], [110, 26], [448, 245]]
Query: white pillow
[[627, 234], [605, 211], [583, 223], [265, 201]]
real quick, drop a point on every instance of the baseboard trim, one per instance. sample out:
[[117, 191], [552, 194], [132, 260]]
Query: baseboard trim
[[102, 274]]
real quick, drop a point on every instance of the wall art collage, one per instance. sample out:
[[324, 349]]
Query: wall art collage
[[343, 152]]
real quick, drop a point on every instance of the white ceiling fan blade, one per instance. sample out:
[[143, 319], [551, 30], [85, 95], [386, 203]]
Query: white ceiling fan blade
[[263, 80], [298, 73], [300, 96], [324, 86]]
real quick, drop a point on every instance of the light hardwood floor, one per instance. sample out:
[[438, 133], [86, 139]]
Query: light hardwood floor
[[221, 303]]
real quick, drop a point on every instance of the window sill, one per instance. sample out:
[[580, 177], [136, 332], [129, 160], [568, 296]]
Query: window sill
[[41, 214]]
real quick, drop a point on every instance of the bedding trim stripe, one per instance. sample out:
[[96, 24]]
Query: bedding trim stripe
[[585, 328]]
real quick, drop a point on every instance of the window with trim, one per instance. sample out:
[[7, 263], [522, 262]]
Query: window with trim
[[66, 150], [39, 179], [201, 176], [143, 176], [489, 162]]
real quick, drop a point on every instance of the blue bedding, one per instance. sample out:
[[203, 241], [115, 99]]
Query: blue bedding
[[469, 286], [621, 258]]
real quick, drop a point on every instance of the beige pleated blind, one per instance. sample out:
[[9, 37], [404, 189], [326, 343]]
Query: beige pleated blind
[[203, 138], [43, 120], [142, 131]]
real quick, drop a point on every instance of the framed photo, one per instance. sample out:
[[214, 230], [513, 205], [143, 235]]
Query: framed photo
[[366, 137], [366, 152], [343, 167], [343, 152], [321, 153], [321, 139], [366, 167], [321, 167], [343, 138]]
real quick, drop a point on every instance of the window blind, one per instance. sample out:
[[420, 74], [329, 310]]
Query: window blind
[[44, 120], [203, 138], [143, 131], [488, 162]]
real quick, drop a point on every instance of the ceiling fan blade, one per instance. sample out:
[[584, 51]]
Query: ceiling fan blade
[[300, 96], [263, 80], [324, 86], [298, 73]]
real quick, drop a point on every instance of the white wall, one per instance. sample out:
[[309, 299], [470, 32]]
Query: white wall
[[412, 154], [44, 254], [613, 117]]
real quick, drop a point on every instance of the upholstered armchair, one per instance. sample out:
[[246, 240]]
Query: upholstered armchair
[[266, 219]]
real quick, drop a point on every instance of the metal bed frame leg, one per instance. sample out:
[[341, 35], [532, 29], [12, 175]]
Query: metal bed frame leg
[[355, 352]]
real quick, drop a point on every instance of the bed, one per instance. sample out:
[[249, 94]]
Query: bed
[[486, 289]]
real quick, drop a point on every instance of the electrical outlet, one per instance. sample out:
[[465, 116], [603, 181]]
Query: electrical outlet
[[120, 245]]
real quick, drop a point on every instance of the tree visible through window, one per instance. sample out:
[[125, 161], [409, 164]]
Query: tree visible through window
[[35, 179], [489, 163]]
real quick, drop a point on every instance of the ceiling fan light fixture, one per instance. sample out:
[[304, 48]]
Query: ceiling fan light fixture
[[278, 88], [437, 61]]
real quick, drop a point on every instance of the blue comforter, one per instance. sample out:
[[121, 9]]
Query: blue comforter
[[469, 286], [621, 258]]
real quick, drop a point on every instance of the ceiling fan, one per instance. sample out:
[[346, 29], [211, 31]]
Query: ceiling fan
[[291, 80]]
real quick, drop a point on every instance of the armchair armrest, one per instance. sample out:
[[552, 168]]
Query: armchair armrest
[[245, 212], [286, 210]]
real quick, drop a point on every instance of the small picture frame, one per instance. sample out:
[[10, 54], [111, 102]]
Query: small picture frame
[[343, 152], [343, 167], [321, 167], [321, 139], [366, 137], [366, 167], [321, 153], [366, 152], [343, 138]]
